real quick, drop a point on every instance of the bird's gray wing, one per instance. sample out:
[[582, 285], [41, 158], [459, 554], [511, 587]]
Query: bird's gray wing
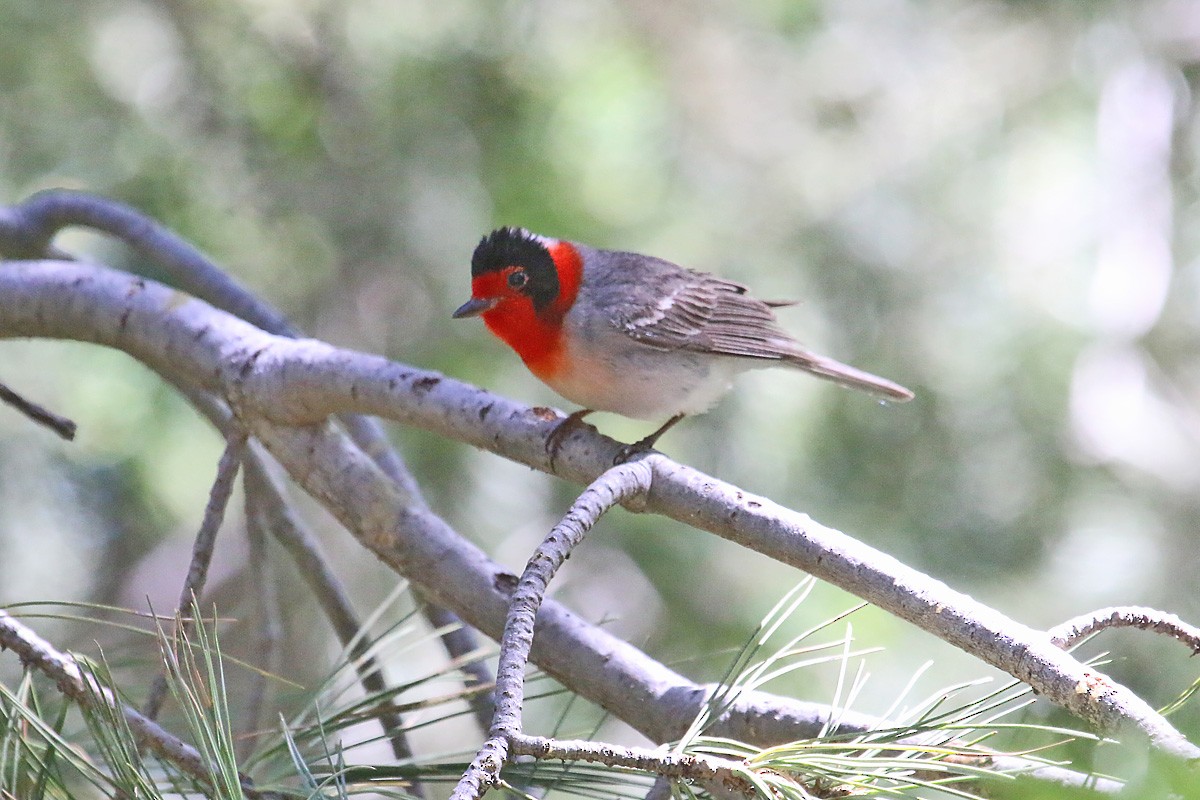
[[703, 313], [665, 306]]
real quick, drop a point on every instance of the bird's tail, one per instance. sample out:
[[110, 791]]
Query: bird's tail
[[848, 376]]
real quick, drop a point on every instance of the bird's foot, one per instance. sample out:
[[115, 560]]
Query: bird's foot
[[645, 445], [631, 451], [572, 423]]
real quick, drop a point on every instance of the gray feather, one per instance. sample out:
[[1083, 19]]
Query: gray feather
[[697, 312]]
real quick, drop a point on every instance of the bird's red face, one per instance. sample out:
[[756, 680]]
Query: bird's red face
[[522, 285]]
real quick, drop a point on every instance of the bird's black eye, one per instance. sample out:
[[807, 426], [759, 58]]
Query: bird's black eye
[[517, 279]]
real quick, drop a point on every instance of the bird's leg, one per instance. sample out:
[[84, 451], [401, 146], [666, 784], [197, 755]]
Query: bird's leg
[[642, 445], [555, 440]]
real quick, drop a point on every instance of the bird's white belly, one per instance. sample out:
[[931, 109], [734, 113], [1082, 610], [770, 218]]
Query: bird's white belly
[[641, 382]]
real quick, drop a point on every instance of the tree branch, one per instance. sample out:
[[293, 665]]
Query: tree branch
[[1075, 630], [277, 384], [616, 485], [64, 427]]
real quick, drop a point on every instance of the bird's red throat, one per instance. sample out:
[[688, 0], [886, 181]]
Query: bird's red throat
[[535, 334]]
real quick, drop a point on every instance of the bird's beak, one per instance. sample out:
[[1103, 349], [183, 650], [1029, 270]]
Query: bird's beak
[[475, 306]]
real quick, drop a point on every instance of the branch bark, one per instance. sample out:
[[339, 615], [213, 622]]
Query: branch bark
[[1075, 630]]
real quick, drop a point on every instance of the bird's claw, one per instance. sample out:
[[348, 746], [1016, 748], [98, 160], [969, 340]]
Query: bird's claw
[[646, 444], [574, 421], [630, 451]]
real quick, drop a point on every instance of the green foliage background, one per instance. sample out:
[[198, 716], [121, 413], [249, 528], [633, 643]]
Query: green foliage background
[[990, 202]]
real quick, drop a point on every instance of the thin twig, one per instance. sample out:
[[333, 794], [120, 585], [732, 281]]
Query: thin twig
[[270, 634], [725, 772], [202, 549], [42, 416], [1074, 630], [617, 485], [85, 689]]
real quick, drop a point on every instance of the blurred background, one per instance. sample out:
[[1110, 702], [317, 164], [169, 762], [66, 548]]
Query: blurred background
[[993, 203]]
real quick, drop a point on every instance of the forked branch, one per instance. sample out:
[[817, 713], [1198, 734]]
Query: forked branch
[[617, 485]]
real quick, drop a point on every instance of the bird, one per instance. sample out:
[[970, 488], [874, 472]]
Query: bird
[[633, 334]]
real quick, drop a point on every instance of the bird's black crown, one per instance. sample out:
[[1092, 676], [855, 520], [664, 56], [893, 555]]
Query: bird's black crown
[[509, 247], [505, 247]]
